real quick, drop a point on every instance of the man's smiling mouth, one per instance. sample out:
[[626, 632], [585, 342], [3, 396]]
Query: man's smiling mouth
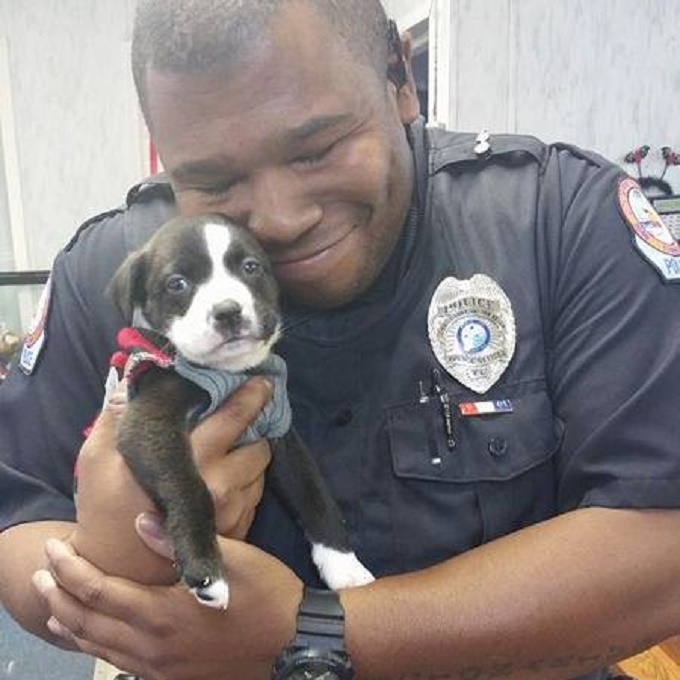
[[312, 263]]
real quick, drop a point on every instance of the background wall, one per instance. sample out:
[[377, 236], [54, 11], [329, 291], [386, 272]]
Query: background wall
[[76, 126], [604, 74]]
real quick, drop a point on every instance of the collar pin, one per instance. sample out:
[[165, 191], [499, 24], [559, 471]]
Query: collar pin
[[482, 147]]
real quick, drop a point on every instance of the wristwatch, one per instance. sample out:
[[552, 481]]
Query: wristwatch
[[318, 651]]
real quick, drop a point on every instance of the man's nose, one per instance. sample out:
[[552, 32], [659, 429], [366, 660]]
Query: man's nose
[[282, 207]]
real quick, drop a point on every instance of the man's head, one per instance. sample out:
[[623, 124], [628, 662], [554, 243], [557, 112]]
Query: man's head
[[211, 36], [280, 114]]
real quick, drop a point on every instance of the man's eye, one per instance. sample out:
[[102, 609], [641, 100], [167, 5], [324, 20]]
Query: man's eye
[[314, 158], [221, 189], [251, 266], [177, 284]]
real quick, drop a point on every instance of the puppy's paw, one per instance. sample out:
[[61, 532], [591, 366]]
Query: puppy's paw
[[340, 569], [212, 593]]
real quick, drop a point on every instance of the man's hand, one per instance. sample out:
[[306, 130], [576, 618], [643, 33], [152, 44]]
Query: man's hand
[[161, 632], [109, 499], [236, 481]]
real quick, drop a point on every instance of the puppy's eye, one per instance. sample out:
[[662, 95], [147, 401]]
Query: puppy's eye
[[177, 284], [251, 266]]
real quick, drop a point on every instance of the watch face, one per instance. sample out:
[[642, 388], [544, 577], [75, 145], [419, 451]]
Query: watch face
[[314, 671], [310, 666]]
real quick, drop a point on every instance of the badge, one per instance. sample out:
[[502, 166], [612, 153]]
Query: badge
[[472, 330], [651, 236], [34, 340]]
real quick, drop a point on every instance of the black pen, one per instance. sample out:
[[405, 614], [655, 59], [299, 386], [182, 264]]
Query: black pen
[[445, 404]]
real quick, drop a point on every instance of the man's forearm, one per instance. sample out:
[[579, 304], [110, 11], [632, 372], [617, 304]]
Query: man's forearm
[[21, 555], [552, 601]]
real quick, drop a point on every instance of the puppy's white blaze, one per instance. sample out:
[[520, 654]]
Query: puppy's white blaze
[[194, 334], [216, 595], [340, 569], [224, 285]]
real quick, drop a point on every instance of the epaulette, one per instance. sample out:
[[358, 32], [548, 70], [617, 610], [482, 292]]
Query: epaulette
[[149, 189], [91, 222], [590, 157], [448, 149], [155, 186]]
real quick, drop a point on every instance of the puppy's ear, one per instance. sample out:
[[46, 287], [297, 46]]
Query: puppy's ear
[[127, 287]]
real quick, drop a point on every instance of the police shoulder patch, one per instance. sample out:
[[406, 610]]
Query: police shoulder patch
[[651, 237], [34, 340]]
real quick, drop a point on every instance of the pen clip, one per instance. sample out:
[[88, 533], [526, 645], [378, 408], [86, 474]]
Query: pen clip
[[423, 397], [445, 406]]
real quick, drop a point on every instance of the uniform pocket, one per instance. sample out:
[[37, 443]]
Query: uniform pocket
[[492, 447], [498, 478]]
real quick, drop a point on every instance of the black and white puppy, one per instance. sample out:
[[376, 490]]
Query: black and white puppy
[[206, 286]]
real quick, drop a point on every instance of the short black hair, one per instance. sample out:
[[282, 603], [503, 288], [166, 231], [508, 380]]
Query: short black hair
[[202, 36]]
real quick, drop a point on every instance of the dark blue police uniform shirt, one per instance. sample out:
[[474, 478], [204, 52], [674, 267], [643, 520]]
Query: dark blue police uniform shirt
[[594, 380]]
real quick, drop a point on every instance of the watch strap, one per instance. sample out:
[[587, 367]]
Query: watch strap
[[321, 621]]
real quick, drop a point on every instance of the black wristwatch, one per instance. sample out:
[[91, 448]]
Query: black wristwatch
[[318, 651]]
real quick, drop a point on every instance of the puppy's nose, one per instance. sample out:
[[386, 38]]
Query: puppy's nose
[[227, 314]]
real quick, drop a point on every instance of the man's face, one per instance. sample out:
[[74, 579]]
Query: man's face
[[302, 144]]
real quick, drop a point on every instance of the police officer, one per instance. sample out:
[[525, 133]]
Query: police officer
[[482, 337]]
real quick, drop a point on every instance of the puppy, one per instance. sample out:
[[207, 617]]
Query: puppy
[[205, 312]]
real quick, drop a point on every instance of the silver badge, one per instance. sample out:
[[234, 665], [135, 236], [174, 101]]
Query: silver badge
[[472, 330]]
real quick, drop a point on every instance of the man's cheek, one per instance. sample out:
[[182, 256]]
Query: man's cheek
[[369, 176]]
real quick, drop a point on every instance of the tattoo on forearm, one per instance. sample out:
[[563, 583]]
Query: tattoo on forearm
[[539, 667]]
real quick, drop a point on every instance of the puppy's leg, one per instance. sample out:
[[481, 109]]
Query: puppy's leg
[[152, 438], [297, 480]]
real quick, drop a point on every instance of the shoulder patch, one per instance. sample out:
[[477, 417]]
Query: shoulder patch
[[34, 340], [651, 237]]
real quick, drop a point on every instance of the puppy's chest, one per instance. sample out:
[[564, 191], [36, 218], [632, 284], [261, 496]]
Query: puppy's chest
[[150, 363]]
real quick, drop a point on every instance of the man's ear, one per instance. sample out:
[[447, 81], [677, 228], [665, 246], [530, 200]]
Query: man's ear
[[400, 73], [127, 287]]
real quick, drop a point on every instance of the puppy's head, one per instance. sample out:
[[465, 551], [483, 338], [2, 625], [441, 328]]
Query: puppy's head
[[206, 285]]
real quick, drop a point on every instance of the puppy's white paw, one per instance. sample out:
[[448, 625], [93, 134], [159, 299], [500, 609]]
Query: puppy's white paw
[[215, 595], [340, 569]]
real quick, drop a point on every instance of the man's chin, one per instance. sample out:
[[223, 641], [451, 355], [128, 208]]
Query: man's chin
[[318, 297]]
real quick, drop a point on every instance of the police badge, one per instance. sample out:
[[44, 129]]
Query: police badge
[[472, 330]]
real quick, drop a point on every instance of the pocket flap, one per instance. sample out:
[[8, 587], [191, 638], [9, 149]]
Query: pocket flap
[[489, 447]]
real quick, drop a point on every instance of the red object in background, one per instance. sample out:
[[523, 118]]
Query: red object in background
[[636, 155], [670, 156], [153, 159]]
